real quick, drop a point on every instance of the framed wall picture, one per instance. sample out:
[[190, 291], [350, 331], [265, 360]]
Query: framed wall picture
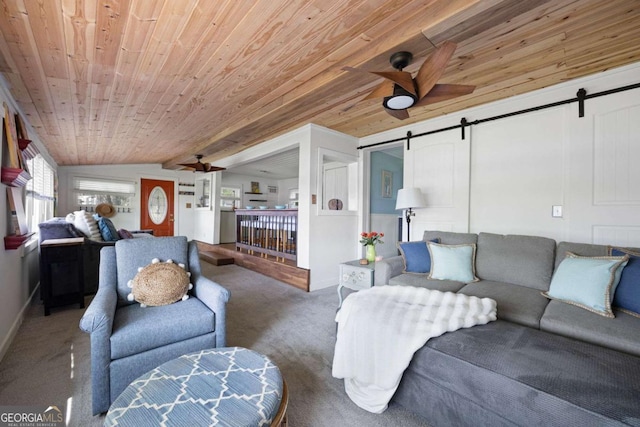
[[387, 184]]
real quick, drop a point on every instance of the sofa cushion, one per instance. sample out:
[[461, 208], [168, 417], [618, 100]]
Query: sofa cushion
[[512, 375], [420, 281], [627, 296], [518, 304], [107, 229], [415, 257], [619, 333], [86, 223], [132, 254], [137, 329], [582, 249], [587, 282], [125, 234], [522, 260], [450, 237], [453, 262]]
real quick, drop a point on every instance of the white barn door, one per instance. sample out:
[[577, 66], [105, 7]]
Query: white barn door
[[438, 164], [603, 205]]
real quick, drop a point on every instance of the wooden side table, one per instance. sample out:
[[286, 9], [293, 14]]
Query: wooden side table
[[355, 276], [61, 272]]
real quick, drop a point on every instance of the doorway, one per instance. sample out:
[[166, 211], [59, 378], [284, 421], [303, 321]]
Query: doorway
[[156, 206], [386, 178]]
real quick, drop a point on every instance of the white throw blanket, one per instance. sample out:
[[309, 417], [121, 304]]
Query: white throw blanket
[[379, 330]]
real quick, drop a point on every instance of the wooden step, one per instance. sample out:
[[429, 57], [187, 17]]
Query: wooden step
[[283, 270], [216, 258]]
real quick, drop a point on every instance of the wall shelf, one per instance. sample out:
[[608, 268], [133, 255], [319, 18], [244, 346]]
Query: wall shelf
[[15, 177], [15, 241]]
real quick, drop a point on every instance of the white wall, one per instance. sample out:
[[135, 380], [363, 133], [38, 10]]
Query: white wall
[[206, 221], [244, 182], [284, 186], [387, 224], [506, 176], [332, 239], [130, 221], [19, 268]]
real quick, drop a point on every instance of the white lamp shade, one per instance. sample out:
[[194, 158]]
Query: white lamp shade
[[410, 198]]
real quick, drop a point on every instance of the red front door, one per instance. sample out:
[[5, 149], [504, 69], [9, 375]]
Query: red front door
[[156, 206]]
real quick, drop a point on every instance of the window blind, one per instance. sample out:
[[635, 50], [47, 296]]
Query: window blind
[[41, 184], [104, 186]]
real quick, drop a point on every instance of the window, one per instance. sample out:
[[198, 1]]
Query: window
[[230, 197], [40, 199], [90, 192], [203, 193]]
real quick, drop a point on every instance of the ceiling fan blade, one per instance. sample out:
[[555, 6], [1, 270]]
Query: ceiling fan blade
[[443, 92], [208, 168], [398, 114], [189, 165], [383, 89], [433, 67], [400, 77]]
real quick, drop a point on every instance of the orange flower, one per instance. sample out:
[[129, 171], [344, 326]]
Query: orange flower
[[371, 238]]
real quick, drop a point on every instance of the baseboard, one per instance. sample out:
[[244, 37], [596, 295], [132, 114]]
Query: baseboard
[[16, 324]]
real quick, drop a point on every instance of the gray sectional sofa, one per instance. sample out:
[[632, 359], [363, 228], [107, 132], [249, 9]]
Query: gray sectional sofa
[[543, 362]]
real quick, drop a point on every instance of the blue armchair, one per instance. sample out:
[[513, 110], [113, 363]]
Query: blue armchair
[[128, 340]]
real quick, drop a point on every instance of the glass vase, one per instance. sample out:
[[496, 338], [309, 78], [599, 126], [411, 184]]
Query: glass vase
[[371, 253]]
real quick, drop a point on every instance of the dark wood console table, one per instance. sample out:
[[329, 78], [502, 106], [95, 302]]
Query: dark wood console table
[[61, 272]]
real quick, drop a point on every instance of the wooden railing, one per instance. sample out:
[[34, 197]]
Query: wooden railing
[[267, 231]]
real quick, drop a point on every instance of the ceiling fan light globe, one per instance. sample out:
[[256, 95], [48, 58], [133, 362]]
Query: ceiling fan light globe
[[400, 102]]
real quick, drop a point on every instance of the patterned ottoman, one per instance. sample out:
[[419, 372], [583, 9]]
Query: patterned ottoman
[[230, 386]]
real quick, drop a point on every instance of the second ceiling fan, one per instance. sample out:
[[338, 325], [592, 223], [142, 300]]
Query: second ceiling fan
[[401, 91], [201, 167]]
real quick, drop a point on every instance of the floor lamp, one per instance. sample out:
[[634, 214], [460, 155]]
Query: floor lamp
[[409, 199]]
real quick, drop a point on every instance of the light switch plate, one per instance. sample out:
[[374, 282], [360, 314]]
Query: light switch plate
[[556, 211]]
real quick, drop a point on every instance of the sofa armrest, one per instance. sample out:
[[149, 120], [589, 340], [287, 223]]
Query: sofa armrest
[[210, 293], [98, 321], [388, 268], [215, 297], [98, 318]]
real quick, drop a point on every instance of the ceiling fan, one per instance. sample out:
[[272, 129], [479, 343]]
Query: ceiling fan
[[201, 167], [401, 91]]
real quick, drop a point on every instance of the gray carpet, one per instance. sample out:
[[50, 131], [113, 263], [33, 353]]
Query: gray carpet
[[48, 362]]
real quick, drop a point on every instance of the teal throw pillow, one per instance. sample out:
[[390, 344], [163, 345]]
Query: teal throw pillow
[[627, 296], [415, 257], [107, 229], [453, 262], [587, 282]]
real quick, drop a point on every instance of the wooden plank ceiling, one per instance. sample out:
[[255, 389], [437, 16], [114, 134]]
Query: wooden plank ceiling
[[157, 81]]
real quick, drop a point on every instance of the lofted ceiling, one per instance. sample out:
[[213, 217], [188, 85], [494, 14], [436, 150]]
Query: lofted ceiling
[[157, 81]]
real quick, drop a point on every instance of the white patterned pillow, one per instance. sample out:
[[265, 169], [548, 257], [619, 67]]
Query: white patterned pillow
[[86, 223]]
